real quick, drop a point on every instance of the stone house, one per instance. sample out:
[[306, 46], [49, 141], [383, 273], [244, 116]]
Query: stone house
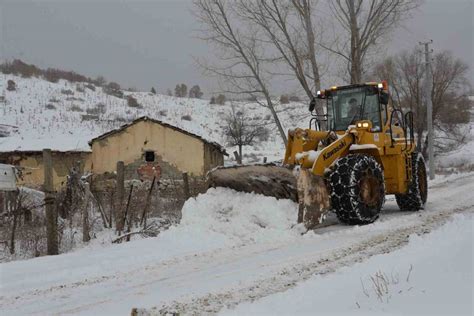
[[151, 140]]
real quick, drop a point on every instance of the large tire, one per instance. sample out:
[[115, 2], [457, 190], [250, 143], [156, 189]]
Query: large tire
[[357, 189], [415, 198]]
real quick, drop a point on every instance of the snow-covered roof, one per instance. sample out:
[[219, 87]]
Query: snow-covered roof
[[40, 151], [146, 118]]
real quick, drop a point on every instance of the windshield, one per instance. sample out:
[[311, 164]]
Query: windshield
[[347, 106]]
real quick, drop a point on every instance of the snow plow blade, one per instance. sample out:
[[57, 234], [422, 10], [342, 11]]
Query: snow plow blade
[[280, 182]]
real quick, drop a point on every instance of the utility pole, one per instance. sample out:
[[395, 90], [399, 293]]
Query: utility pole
[[3, 60], [429, 106], [50, 210]]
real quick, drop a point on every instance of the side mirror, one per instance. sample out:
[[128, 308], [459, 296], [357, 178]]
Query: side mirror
[[312, 105], [384, 98]]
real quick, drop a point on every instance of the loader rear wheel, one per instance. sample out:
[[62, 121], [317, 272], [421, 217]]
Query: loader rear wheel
[[415, 198], [357, 189]]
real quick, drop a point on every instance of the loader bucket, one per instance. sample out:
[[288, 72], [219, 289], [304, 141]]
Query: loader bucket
[[280, 182], [313, 199]]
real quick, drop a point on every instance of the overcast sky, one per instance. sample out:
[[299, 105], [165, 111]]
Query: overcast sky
[[151, 43]]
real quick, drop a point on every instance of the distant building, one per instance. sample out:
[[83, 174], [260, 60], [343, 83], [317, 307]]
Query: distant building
[[31, 165], [147, 139]]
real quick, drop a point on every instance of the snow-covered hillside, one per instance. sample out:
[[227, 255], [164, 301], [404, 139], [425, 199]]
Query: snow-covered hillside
[[42, 114]]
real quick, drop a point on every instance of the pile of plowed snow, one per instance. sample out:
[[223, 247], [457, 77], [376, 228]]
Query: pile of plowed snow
[[224, 217]]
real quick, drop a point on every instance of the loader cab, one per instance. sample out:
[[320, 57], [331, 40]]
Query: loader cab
[[349, 104]]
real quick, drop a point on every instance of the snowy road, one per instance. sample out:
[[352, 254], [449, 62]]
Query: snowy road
[[140, 274]]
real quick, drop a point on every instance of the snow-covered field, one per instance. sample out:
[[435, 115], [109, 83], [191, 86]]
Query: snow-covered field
[[233, 248]]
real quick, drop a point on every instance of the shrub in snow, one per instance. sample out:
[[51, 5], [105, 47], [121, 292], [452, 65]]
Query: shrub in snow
[[132, 102], [284, 99], [80, 88], [221, 99], [101, 107], [113, 88], [11, 85], [93, 111], [53, 99], [74, 99], [18, 67], [163, 113], [90, 86], [89, 117], [75, 108], [67, 91], [294, 98], [100, 81], [186, 117], [50, 106]]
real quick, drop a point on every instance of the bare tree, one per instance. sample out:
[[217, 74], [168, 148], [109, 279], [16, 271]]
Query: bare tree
[[405, 74], [181, 90], [241, 132], [364, 24], [288, 26], [240, 52], [195, 92]]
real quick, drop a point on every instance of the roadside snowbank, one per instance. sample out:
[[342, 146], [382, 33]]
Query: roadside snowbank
[[225, 217], [432, 275]]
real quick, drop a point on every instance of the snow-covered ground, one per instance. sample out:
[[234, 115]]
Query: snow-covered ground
[[461, 158], [432, 275], [232, 248]]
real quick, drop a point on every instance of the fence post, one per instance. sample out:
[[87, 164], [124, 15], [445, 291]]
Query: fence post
[[186, 185], [85, 213], [120, 189], [51, 216]]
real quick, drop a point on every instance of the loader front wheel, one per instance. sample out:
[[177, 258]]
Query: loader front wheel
[[357, 189], [415, 198]]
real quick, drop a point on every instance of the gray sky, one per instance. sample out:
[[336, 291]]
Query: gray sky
[[150, 43]]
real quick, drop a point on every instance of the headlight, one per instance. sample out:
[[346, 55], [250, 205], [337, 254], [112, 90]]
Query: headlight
[[362, 125]]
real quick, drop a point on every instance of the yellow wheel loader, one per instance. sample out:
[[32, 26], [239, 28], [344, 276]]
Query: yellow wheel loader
[[346, 161]]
